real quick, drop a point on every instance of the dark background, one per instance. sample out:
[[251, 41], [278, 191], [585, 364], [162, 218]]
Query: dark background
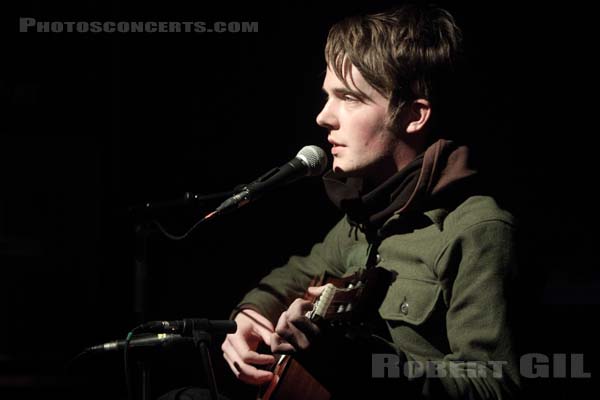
[[95, 123]]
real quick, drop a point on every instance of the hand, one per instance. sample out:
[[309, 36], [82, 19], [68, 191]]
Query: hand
[[239, 349], [294, 330]]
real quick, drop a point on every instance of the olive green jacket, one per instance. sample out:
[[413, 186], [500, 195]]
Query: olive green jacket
[[449, 302]]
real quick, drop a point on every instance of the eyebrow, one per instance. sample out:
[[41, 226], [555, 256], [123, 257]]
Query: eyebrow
[[341, 91]]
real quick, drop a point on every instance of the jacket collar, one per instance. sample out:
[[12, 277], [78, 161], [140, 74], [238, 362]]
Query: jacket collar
[[428, 183]]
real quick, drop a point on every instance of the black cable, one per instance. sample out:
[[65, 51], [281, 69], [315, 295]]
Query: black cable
[[183, 236], [77, 357]]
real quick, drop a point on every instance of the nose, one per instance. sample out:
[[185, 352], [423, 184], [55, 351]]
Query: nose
[[327, 117]]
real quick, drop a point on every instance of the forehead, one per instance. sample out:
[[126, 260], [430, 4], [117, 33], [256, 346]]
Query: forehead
[[353, 80]]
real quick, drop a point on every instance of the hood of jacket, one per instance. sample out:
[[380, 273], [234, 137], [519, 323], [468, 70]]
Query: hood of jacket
[[422, 184]]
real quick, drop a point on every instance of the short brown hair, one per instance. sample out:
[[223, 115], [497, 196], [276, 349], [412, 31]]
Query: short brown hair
[[404, 53]]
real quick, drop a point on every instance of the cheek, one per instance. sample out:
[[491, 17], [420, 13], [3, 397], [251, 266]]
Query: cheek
[[370, 127]]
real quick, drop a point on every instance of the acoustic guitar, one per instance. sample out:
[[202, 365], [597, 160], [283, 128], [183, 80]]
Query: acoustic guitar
[[347, 304]]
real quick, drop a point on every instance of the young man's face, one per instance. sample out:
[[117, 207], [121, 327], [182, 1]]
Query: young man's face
[[362, 143]]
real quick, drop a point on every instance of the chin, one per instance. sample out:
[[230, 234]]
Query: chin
[[344, 172], [339, 170]]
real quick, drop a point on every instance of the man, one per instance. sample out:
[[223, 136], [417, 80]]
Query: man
[[413, 206]]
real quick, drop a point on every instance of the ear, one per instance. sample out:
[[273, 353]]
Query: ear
[[419, 113]]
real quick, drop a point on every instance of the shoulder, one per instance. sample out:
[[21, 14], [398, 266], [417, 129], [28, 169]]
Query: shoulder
[[477, 210], [481, 234]]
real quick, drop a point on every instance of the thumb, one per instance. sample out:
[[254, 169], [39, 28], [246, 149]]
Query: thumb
[[260, 325], [316, 290]]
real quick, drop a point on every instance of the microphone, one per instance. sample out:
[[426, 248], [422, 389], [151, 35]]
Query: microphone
[[161, 339], [310, 161], [186, 326]]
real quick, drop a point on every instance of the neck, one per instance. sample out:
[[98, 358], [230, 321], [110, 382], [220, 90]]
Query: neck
[[402, 156]]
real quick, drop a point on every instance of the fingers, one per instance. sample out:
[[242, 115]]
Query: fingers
[[306, 326], [260, 325], [239, 348], [234, 366], [241, 367], [247, 373], [265, 335], [296, 316], [297, 310], [294, 331], [316, 290], [242, 348], [289, 340], [280, 346]]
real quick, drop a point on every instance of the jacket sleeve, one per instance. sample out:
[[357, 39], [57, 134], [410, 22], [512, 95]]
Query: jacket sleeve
[[478, 268], [282, 285]]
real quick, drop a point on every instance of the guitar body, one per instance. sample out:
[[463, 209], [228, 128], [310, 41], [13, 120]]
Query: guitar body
[[292, 381], [350, 302]]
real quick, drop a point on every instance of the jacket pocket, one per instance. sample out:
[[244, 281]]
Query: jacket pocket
[[410, 300]]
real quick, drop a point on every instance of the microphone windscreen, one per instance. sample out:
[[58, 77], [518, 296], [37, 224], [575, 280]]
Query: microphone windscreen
[[315, 159]]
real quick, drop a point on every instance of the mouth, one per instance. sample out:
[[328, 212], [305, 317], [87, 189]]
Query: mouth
[[335, 147], [334, 143]]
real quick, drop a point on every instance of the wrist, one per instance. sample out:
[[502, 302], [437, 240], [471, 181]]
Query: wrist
[[254, 314]]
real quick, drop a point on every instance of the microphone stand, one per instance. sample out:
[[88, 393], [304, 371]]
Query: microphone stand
[[145, 372], [143, 231], [144, 214], [202, 340], [141, 274]]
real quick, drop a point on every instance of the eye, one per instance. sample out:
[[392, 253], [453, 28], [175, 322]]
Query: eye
[[350, 99]]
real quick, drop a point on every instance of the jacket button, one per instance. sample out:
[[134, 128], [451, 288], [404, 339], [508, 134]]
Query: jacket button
[[404, 307], [377, 258]]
